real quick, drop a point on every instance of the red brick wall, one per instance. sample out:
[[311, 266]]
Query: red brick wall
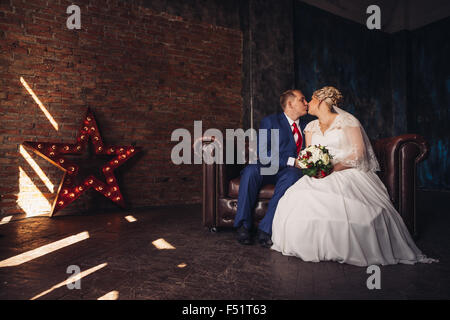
[[143, 74]]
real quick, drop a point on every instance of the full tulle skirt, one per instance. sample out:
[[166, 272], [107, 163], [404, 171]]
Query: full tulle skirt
[[345, 217]]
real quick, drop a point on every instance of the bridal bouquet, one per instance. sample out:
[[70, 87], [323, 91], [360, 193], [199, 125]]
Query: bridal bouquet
[[315, 161]]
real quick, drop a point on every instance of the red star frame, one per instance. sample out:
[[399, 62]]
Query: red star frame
[[67, 191]]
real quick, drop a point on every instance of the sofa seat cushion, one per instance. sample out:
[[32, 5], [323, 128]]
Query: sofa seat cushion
[[266, 191]]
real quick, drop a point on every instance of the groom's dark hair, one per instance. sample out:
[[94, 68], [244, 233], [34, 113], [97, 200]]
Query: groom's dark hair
[[287, 95]]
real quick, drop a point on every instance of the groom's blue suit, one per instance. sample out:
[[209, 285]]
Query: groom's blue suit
[[252, 180]]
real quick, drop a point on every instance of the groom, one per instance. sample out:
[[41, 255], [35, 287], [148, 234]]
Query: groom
[[291, 141]]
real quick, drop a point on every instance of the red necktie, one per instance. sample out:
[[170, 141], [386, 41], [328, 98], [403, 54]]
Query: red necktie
[[299, 139]]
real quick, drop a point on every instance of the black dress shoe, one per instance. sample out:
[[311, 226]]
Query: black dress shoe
[[264, 239], [243, 235]]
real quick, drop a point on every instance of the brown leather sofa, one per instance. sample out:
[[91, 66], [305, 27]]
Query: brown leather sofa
[[397, 156]]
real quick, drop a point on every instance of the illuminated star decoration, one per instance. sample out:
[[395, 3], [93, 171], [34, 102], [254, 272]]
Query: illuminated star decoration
[[68, 191]]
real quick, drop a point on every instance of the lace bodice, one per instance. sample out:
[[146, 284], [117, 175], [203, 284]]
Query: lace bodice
[[333, 138], [346, 141], [341, 120]]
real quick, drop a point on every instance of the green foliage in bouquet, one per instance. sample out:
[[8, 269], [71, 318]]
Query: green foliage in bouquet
[[315, 171]]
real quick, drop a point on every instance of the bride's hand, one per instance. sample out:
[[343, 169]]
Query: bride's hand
[[339, 167], [321, 175]]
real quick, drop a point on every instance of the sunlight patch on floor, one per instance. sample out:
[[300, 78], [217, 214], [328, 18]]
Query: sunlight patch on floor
[[43, 250], [162, 244], [113, 295], [71, 279], [5, 220], [130, 218]]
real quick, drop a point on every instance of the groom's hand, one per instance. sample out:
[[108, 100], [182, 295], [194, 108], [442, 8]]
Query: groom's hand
[[296, 164]]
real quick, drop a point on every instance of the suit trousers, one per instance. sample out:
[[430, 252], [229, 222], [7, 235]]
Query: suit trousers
[[249, 187]]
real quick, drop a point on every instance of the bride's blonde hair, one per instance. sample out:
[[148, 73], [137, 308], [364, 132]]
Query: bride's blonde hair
[[332, 97]]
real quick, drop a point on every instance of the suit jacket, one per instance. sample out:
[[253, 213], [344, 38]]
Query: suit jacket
[[287, 147]]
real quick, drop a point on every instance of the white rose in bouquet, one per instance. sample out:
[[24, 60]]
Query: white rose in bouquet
[[316, 155], [326, 159]]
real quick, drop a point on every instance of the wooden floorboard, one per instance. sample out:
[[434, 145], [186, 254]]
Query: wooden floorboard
[[201, 265]]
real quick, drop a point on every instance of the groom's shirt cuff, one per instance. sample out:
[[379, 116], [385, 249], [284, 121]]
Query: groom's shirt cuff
[[291, 161]]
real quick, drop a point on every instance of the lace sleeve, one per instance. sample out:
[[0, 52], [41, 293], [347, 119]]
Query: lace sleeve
[[357, 150], [311, 127], [355, 147], [346, 120]]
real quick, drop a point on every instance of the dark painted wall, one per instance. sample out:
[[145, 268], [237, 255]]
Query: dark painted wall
[[400, 58], [330, 50], [394, 83], [429, 107], [272, 66]]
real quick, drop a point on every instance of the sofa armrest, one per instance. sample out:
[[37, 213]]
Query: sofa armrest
[[209, 184], [229, 171], [226, 172], [398, 157], [216, 177]]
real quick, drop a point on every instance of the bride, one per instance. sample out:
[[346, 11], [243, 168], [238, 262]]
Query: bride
[[346, 216]]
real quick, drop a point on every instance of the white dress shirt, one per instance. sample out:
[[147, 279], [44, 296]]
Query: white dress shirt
[[291, 160]]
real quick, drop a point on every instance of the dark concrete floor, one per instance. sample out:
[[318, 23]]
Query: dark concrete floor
[[215, 265]]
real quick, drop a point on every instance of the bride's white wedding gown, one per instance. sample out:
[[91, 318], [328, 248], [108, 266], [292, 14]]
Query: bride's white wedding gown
[[345, 217]]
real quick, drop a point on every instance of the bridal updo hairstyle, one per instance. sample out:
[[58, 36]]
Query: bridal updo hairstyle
[[332, 97]]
